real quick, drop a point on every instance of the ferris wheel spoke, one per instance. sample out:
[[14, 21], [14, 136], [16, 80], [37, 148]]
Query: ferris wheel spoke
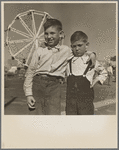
[[23, 48], [20, 41], [33, 24], [36, 43], [19, 32], [29, 54], [40, 35], [10, 50], [26, 27], [41, 25], [41, 39]]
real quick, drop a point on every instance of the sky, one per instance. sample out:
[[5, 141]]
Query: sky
[[97, 20]]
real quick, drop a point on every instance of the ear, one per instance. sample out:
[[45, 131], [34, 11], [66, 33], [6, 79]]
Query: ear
[[87, 44], [62, 36]]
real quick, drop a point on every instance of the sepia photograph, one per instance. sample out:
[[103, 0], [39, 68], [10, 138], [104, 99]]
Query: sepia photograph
[[59, 59]]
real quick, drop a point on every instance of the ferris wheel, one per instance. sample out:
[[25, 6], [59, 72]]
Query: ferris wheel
[[25, 34]]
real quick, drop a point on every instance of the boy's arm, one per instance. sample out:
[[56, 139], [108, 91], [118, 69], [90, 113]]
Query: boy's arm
[[30, 73], [92, 57], [102, 74], [28, 80]]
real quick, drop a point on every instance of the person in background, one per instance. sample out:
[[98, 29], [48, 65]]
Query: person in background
[[110, 73]]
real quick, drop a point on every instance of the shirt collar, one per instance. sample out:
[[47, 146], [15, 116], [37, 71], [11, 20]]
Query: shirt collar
[[84, 58], [58, 46]]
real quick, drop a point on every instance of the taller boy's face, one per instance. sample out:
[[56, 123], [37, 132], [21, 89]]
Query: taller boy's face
[[79, 48], [52, 36]]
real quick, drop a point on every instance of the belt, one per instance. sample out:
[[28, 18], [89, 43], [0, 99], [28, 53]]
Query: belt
[[48, 77]]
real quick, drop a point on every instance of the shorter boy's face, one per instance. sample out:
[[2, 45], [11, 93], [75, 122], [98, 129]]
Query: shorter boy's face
[[79, 48], [52, 36]]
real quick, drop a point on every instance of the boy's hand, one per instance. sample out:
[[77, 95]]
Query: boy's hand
[[92, 57], [31, 102], [94, 82]]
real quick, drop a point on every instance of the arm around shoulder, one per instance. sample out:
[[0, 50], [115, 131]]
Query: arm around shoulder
[[92, 58]]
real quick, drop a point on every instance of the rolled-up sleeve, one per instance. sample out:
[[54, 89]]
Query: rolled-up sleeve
[[30, 73]]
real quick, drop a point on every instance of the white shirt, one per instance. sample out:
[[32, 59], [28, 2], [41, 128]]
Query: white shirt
[[47, 61], [50, 61], [79, 65]]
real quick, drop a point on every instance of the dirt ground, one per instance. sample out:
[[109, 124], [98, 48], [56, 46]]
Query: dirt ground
[[15, 100]]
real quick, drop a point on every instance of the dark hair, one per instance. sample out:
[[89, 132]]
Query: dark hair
[[52, 22], [79, 35]]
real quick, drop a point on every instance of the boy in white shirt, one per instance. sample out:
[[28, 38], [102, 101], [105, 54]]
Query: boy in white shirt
[[47, 69], [80, 93]]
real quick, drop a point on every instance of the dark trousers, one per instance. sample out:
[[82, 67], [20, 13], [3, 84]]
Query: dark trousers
[[79, 96], [47, 94]]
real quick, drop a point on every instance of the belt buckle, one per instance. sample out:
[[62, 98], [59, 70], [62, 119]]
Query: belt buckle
[[44, 76]]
